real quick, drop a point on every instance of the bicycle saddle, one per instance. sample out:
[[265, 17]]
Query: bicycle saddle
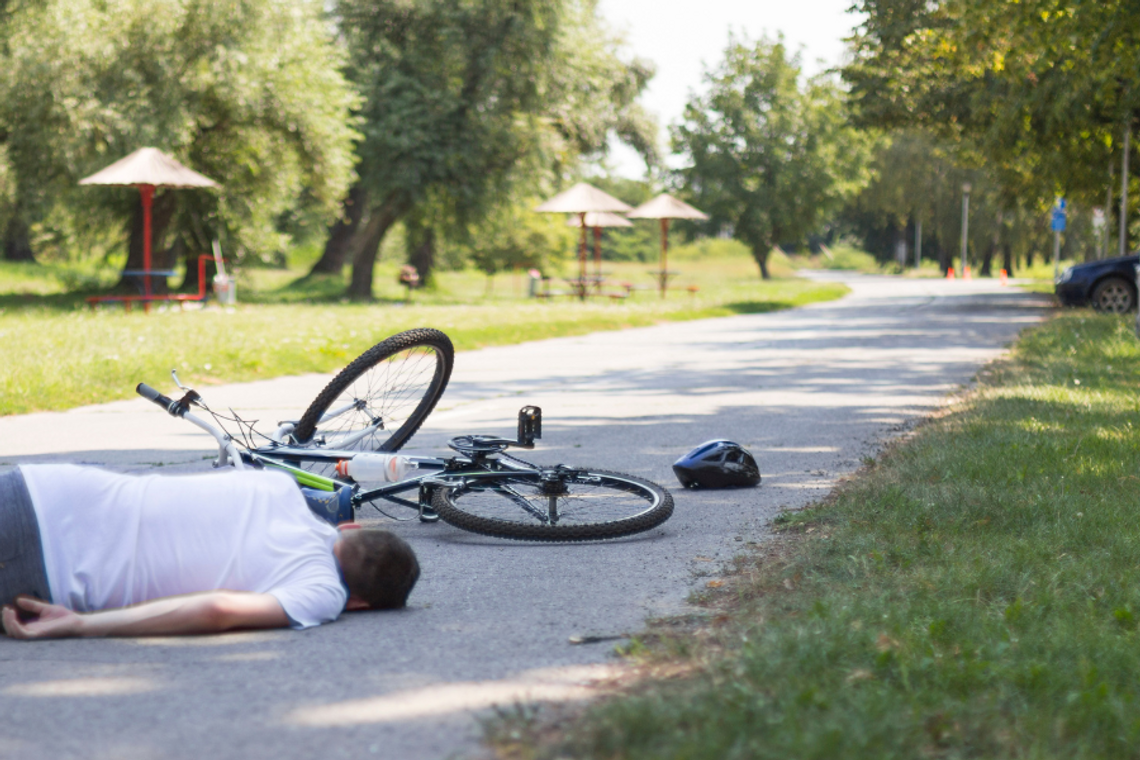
[[479, 445]]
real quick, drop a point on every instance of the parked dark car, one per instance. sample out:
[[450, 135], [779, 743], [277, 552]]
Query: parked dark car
[[1107, 285]]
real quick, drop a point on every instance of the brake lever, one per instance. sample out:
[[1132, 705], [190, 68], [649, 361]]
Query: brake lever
[[191, 397]]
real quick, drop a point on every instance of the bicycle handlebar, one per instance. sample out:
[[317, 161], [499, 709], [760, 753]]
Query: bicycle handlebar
[[174, 408]]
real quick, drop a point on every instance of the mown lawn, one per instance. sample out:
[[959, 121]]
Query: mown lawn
[[57, 354], [975, 593]]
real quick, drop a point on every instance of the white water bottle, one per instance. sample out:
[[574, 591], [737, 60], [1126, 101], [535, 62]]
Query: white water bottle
[[373, 467]]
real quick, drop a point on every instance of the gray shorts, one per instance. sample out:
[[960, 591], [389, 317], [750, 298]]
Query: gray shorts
[[22, 569]]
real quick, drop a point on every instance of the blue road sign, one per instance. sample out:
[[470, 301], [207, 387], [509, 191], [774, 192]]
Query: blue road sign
[[1058, 223]]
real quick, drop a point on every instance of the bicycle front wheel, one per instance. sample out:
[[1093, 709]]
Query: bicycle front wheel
[[558, 504], [382, 398]]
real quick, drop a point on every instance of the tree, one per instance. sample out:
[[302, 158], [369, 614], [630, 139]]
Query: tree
[[768, 156], [514, 237], [248, 93], [1042, 89], [917, 177], [462, 102]]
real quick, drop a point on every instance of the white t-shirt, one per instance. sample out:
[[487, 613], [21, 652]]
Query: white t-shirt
[[113, 540]]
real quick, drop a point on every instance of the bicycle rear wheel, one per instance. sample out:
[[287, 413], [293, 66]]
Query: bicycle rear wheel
[[382, 398], [556, 504]]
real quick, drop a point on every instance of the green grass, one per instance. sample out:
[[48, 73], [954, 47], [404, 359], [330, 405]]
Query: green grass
[[972, 594], [58, 354], [24, 282], [1039, 277], [1042, 270], [843, 257]]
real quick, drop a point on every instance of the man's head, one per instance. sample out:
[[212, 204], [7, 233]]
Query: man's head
[[379, 567]]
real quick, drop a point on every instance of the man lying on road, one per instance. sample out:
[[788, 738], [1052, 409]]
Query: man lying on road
[[126, 555]]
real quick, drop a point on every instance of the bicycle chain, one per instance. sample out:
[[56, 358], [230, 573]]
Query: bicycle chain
[[531, 465]]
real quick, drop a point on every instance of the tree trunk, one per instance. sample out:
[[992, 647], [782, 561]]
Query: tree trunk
[[760, 254], [342, 242], [380, 220], [421, 249], [17, 243], [162, 212], [995, 244], [1007, 258]]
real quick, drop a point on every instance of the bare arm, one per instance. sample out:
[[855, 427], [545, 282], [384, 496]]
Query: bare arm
[[210, 612]]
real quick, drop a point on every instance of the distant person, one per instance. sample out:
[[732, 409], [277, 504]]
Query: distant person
[[87, 552]]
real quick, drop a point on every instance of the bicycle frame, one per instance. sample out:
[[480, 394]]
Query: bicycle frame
[[279, 457], [285, 456]]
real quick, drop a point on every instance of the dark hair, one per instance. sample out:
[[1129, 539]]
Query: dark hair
[[379, 567]]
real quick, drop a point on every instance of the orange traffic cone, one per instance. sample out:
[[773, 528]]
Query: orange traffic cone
[[1004, 278], [949, 273], [966, 274]]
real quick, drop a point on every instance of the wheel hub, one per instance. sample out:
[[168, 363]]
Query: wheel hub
[[552, 485]]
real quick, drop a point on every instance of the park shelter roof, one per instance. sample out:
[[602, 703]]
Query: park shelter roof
[[600, 219], [581, 198], [665, 206], [148, 166]]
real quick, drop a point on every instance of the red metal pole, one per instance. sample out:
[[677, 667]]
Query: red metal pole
[[598, 256], [582, 257], [147, 192]]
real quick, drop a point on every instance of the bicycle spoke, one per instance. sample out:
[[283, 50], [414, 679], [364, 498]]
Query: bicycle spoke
[[556, 504], [381, 398], [522, 502]]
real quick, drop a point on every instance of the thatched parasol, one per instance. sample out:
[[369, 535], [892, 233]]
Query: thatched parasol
[[665, 207], [582, 199], [147, 169]]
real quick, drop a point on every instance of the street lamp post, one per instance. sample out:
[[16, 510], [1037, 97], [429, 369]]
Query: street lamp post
[[918, 243], [1123, 245], [965, 224]]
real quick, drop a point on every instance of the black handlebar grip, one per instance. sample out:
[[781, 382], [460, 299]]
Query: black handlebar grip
[[165, 402]]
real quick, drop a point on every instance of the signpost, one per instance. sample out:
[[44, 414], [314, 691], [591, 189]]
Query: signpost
[[965, 227], [1100, 227], [1058, 225]]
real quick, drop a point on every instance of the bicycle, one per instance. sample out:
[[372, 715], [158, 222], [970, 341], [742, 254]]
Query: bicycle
[[348, 436]]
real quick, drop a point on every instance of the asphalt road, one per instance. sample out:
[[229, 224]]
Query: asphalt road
[[811, 392]]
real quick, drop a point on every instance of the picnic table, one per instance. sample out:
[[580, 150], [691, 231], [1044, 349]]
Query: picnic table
[[582, 288], [147, 298], [663, 276]]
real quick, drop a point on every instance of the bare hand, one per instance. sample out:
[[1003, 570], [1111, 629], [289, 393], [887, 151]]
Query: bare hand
[[52, 621]]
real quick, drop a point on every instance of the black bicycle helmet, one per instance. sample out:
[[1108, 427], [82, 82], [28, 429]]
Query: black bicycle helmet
[[717, 464]]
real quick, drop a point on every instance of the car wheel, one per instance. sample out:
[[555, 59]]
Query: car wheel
[[1113, 295]]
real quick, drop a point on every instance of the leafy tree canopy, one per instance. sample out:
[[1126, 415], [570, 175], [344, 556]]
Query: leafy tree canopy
[[249, 93], [769, 156], [1042, 89]]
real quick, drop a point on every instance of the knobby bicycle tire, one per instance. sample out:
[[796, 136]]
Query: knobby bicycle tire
[[598, 504], [399, 381]]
